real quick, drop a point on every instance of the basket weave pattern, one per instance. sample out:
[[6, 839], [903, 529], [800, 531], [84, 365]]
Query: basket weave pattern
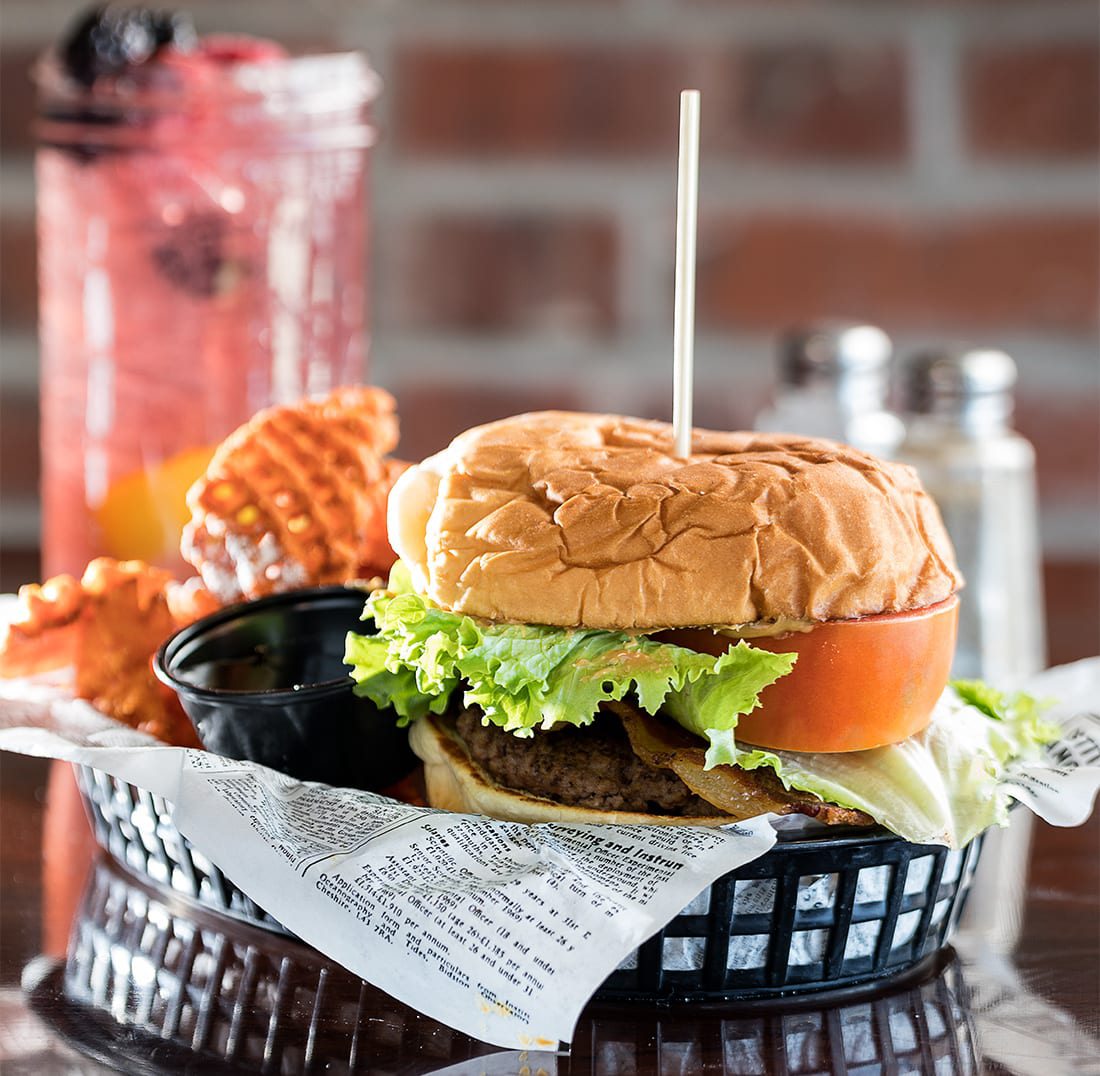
[[201, 992], [809, 915]]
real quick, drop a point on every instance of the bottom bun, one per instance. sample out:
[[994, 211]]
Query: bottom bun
[[455, 782]]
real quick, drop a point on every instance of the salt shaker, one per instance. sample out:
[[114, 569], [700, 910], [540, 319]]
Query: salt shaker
[[833, 381], [981, 473]]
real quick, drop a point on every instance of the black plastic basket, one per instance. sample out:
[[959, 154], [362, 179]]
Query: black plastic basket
[[136, 828], [154, 983], [827, 913]]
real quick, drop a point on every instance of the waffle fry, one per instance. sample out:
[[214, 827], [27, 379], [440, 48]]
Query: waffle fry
[[296, 497], [105, 628]]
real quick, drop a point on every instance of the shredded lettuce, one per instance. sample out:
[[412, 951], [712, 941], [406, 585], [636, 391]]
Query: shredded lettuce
[[525, 677], [980, 695], [1023, 730], [944, 785]]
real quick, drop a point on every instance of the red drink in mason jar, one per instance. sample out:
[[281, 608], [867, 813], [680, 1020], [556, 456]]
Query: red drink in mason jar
[[202, 248]]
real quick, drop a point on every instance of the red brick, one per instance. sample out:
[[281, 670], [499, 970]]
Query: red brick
[[1065, 430], [16, 99], [768, 271], [1034, 100], [433, 413], [1072, 591], [804, 101], [19, 443], [527, 101], [18, 272], [508, 273], [813, 101]]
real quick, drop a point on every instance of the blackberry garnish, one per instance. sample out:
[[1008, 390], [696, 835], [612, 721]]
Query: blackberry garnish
[[193, 255], [109, 39]]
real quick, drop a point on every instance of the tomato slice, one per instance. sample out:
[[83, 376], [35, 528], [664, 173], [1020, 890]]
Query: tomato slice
[[857, 684]]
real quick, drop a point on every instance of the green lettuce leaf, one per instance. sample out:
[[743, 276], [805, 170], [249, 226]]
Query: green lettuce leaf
[[710, 706], [526, 677], [979, 694], [944, 785], [1023, 730]]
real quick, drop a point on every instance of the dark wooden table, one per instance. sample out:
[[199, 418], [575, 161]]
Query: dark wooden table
[[1034, 1009]]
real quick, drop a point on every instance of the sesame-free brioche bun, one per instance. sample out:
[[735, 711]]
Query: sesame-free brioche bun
[[589, 520]]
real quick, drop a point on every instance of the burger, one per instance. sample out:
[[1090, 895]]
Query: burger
[[583, 627]]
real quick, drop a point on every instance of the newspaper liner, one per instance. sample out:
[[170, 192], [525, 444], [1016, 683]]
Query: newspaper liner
[[502, 931]]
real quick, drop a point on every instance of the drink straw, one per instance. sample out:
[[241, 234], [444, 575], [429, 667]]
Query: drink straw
[[683, 328]]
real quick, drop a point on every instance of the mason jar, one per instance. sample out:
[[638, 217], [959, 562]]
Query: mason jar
[[202, 241]]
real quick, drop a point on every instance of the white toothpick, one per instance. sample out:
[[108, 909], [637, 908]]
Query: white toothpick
[[683, 326]]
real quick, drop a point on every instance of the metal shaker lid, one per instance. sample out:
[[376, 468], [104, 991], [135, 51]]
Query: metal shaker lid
[[950, 379], [833, 349]]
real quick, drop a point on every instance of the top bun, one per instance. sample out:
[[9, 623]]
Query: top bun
[[583, 520]]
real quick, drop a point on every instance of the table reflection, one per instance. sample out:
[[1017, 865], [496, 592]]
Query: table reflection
[[148, 969], [154, 984]]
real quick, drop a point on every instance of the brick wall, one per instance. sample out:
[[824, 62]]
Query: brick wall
[[931, 166]]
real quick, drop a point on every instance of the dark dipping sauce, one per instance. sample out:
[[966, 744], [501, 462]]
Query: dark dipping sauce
[[266, 681], [268, 668]]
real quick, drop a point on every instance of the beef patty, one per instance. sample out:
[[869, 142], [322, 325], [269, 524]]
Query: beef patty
[[600, 767], [591, 767]]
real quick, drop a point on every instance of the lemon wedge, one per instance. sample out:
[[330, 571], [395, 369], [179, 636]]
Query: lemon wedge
[[143, 514]]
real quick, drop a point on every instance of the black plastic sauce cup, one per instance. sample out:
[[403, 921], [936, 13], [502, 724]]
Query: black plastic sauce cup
[[266, 681]]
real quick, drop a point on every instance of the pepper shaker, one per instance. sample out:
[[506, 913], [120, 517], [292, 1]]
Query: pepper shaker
[[833, 381]]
